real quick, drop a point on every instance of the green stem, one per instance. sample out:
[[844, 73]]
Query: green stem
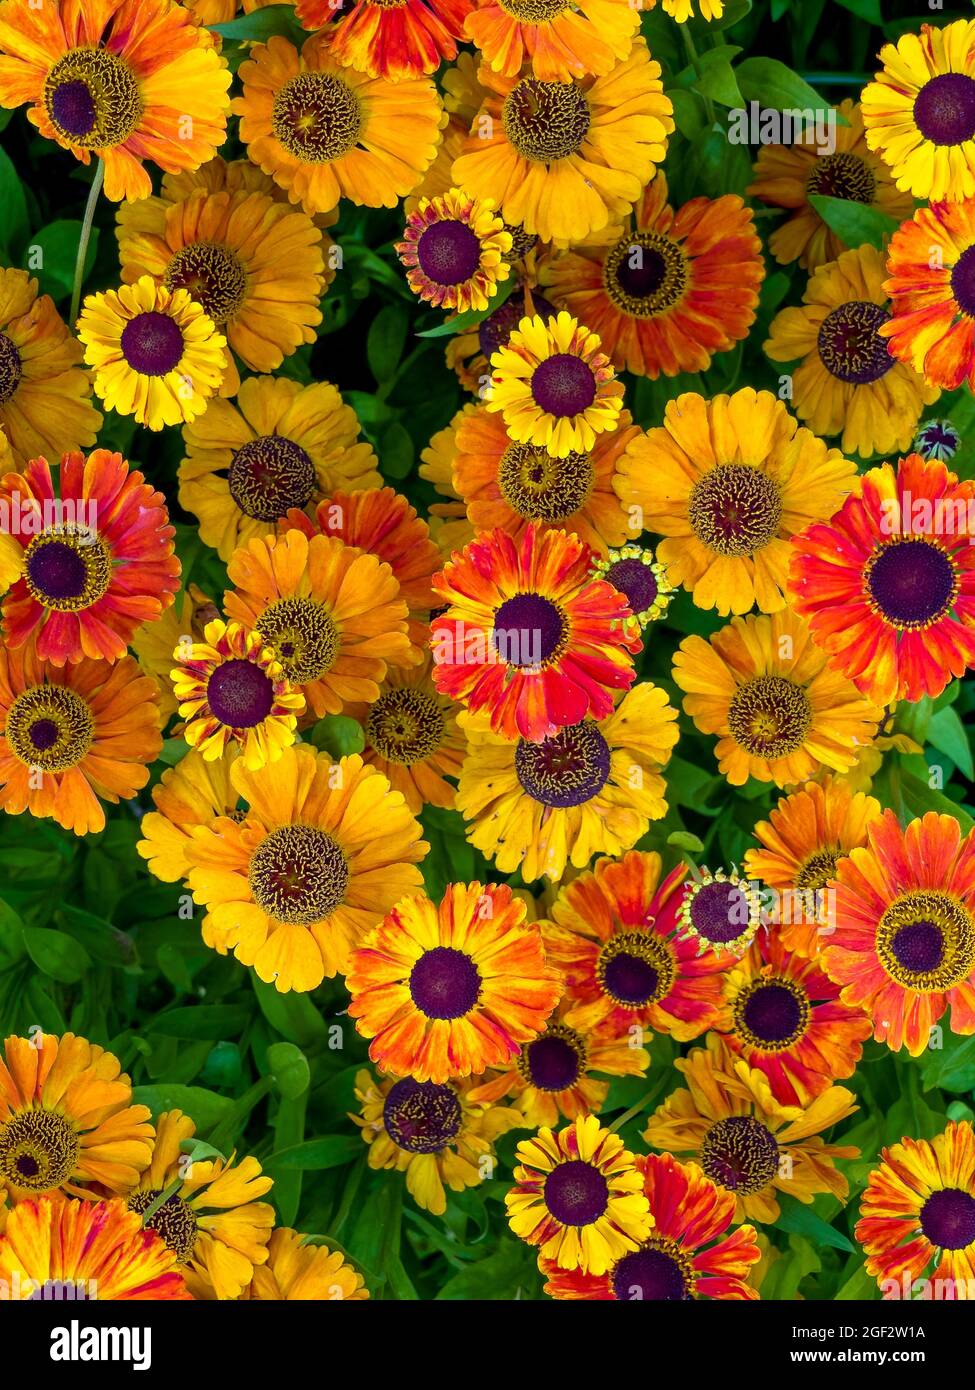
[[695, 62], [83, 240], [627, 1115], [158, 1201]]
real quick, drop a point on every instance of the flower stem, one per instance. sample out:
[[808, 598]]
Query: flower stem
[[83, 240], [695, 62], [627, 1115]]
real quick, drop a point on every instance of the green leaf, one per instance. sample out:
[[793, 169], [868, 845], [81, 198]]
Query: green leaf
[[16, 226], [716, 78], [288, 1066], [470, 318], [293, 1016], [854, 223], [683, 839], [330, 1151], [396, 452], [58, 246], [867, 10], [947, 733], [12, 944], [774, 85], [386, 340], [289, 1129], [202, 1022], [262, 25], [503, 1275], [802, 1220], [338, 735], [57, 954], [204, 1107], [860, 1285]]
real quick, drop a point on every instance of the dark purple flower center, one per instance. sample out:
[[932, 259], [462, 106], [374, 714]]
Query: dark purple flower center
[[919, 947], [73, 107], [568, 769], [552, 1063], [445, 983], [421, 1116], [944, 109], [11, 368], [635, 581], [912, 583], [563, 385], [948, 1218], [152, 344], [528, 630], [448, 252], [849, 345], [57, 570], [269, 475], [43, 734], [739, 1153], [774, 1014], [720, 911], [963, 281], [494, 331], [240, 694], [576, 1193], [843, 175], [630, 979], [649, 1274]]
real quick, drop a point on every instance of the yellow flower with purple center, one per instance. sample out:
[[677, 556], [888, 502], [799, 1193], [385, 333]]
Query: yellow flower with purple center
[[640, 578], [554, 386], [720, 911], [453, 248], [232, 689]]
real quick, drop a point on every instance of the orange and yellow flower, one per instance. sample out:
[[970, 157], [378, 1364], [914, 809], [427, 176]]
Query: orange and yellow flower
[[194, 792], [98, 557], [396, 41], [557, 40], [412, 737], [528, 636], [303, 1269], [449, 989], [454, 249]]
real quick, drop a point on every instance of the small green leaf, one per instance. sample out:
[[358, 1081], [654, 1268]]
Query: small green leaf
[[683, 839], [262, 25], [386, 340], [58, 247], [947, 733], [331, 1151], [854, 223], [396, 452], [204, 1107], [57, 954], [716, 78], [288, 1066], [867, 10], [16, 226], [202, 1022], [470, 318], [803, 1221], [773, 85], [338, 735]]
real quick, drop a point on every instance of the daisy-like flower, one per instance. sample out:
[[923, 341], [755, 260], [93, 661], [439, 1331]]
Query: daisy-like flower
[[53, 1249], [667, 290], [67, 1122], [278, 446], [332, 613], [728, 482], [449, 526], [152, 644], [904, 945], [528, 636], [508, 485], [554, 386], [806, 833], [155, 354], [780, 711], [438, 1134], [931, 265], [293, 885], [396, 41], [92, 576], [562, 159], [453, 248], [641, 579], [232, 688], [784, 1016], [847, 380], [125, 80], [253, 264], [468, 354], [937, 439], [74, 736], [786, 175], [888, 584], [449, 989], [559, 41], [557, 1073], [579, 1198], [919, 112], [720, 912], [45, 393], [213, 1222], [462, 93], [614, 934], [691, 1252], [745, 1141], [303, 1269], [590, 788], [194, 792], [917, 1215], [325, 132], [382, 522], [412, 737]]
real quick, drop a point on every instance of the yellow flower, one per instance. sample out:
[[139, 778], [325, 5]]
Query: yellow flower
[[299, 1270]]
